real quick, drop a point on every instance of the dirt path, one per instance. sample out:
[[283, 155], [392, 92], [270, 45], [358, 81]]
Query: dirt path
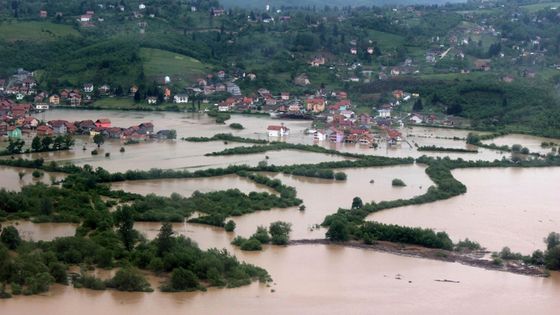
[[474, 259]]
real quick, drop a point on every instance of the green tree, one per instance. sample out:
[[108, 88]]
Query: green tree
[[36, 145], [418, 107], [338, 231], [164, 241], [552, 240], [230, 226], [280, 232], [98, 139], [183, 280], [46, 142], [129, 279], [357, 203], [10, 237], [125, 225]]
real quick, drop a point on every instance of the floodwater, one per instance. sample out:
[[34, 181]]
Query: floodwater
[[186, 187], [514, 207], [324, 280], [531, 142], [42, 231], [502, 207], [10, 178]]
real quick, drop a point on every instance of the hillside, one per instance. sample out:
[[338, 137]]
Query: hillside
[[35, 31], [332, 3], [160, 63]]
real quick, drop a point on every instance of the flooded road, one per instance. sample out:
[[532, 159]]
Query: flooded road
[[502, 207]]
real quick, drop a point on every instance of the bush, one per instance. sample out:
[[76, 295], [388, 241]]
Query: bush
[[340, 176], [251, 244], [236, 126], [338, 231], [467, 245], [182, 280], [94, 152], [280, 232], [129, 279], [398, 182], [261, 235], [37, 174], [230, 226]]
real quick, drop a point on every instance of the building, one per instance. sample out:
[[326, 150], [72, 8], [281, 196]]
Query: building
[[278, 131], [315, 104], [103, 123], [152, 100], [88, 87], [14, 132], [181, 98]]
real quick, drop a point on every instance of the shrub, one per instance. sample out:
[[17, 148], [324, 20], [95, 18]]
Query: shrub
[[230, 226], [129, 279], [251, 244], [398, 182], [280, 232], [340, 176], [236, 126], [37, 174]]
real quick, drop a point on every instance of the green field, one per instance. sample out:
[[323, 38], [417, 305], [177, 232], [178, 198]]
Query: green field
[[540, 6], [159, 63], [35, 31], [386, 40]]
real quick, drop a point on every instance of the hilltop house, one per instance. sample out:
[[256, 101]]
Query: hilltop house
[[278, 131]]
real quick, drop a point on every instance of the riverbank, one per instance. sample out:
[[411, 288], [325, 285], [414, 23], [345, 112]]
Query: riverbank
[[473, 259]]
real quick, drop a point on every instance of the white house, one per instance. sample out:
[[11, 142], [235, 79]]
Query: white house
[[278, 131], [141, 6], [223, 108], [384, 113], [415, 119], [320, 135], [181, 98], [88, 87], [152, 100]]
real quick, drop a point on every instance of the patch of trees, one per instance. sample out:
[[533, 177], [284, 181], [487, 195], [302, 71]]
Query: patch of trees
[[434, 148], [278, 233], [227, 137]]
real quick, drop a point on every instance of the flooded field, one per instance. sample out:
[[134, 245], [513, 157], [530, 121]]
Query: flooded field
[[513, 207], [324, 280], [10, 178], [502, 207], [185, 187]]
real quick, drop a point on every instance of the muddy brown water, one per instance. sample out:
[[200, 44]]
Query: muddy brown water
[[502, 207]]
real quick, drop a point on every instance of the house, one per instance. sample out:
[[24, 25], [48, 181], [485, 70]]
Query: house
[[141, 6], [44, 130], [302, 80], [43, 14], [336, 135], [104, 89], [85, 18], [133, 89], [320, 135], [278, 131], [152, 100], [220, 87], [395, 72], [113, 132], [317, 61], [415, 119], [354, 51], [482, 64], [252, 76], [398, 94], [85, 126], [30, 122], [146, 128], [233, 89], [88, 87], [103, 123], [14, 132], [164, 134], [285, 96], [217, 11], [385, 111], [370, 50], [315, 104], [181, 98], [58, 126]]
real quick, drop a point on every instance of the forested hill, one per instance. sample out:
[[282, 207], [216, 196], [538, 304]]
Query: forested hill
[[331, 3]]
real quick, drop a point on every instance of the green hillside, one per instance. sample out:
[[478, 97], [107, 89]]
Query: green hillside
[[35, 31], [332, 3], [160, 63]]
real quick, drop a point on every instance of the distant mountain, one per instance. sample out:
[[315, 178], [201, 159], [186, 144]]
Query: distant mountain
[[332, 3]]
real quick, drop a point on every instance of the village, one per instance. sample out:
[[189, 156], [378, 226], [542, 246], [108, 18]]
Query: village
[[335, 118]]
